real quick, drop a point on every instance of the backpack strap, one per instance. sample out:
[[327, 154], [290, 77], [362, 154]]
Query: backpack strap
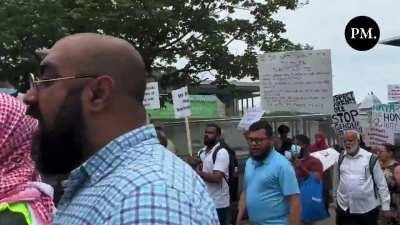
[[200, 152], [214, 157], [372, 161], [340, 160]]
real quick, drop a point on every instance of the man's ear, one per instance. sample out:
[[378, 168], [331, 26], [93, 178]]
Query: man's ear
[[98, 93]]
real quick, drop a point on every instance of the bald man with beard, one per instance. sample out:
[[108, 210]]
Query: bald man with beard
[[92, 124]]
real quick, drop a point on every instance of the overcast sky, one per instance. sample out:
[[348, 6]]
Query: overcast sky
[[321, 23]]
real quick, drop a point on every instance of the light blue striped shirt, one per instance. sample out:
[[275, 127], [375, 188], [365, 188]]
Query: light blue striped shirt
[[135, 180]]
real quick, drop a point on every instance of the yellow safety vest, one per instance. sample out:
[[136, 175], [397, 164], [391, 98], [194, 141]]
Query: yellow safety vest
[[18, 207]]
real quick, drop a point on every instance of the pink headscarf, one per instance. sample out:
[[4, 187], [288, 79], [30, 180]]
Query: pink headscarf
[[319, 145], [19, 181]]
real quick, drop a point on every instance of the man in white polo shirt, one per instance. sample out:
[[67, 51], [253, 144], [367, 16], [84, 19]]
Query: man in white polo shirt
[[215, 171]]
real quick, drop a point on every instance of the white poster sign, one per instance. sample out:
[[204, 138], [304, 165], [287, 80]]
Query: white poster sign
[[378, 136], [385, 123], [151, 96], [251, 116], [296, 81], [346, 113], [180, 98], [327, 157], [386, 116], [394, 92]]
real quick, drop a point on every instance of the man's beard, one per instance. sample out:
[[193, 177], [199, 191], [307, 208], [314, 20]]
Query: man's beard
[[353, 150], [210, 142], [59, 149], [261, 157]]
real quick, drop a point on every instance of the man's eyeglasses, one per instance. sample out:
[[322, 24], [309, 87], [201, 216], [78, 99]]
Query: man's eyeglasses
[[255, 141], [37, 83]]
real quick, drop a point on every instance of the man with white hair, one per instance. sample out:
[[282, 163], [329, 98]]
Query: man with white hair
[[361, 186]]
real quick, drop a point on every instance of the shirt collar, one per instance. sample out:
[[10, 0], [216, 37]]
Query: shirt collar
[[113, 154], [213, 148], [361, 152]]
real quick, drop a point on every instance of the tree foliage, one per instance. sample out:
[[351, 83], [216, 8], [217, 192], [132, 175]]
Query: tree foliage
[[195, 33]]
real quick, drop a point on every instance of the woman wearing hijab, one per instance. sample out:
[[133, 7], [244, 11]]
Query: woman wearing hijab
[[23, 198], [319, 144]]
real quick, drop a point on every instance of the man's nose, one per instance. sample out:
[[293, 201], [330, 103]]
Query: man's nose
[[30, 97]]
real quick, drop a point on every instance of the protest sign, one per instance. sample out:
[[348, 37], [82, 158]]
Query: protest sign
[[251, 116], [394, 92], [386, 116], [327, 157], [151, 96], [378, 136], [180, 98], [346, 113], [385, 123], [296, 81]]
